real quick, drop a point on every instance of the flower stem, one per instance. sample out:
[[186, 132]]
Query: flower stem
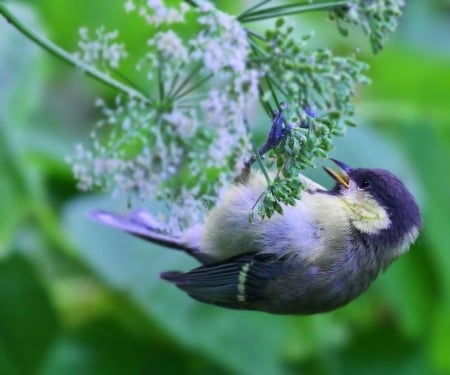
[[200, 82], [285, 10], [254, 34], [191, 2], [174, 91], [70, 59], [252, 8]]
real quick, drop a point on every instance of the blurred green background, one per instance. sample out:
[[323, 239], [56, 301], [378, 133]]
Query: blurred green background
[[77, 298]]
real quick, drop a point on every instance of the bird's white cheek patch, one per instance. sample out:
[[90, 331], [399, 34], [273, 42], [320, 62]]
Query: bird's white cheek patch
[[368, 216]]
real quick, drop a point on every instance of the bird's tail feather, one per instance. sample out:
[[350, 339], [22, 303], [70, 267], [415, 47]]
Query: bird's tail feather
[[223, 283], [141, 224]]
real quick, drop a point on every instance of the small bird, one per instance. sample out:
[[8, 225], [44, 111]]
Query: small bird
[[315, 257]]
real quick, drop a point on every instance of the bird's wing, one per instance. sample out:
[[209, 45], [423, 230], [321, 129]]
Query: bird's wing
[[238, 283], [141, 224]]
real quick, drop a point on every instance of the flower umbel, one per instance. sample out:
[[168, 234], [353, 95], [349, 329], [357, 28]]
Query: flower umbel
[[183, 147], [187, 140]]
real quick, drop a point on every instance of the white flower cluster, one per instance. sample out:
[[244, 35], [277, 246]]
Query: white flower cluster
[[103, 50], [182, 147], [157, 12], [110, 166]]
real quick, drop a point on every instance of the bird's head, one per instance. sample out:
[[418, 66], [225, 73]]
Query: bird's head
[[379, 206]]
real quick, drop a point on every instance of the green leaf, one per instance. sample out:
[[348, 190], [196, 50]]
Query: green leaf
[[438, 348], [132, 266], [28, 322], [407, 292], [106, 346], [382, 351]]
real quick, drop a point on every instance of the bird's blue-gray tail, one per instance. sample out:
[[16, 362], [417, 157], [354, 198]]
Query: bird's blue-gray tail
[[143, 225]]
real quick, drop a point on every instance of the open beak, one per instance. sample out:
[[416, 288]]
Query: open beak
[[342, 176]]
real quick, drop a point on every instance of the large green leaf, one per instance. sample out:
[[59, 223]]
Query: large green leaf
[[382, 351], [28, 322], [104, 346], [432, 158], [246, 342]]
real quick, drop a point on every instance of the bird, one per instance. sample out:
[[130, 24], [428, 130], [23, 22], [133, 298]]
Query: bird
[[317, 256]]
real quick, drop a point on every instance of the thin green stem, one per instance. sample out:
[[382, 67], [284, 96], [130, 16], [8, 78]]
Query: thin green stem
[[258, 159], [124, 78], [301, 4], [191, 2], [262, 166], [258, 200], [257, 49], [255, 35], [70, 59], [290, 9], [252, 8], [277, 85], [175, 92], [194, 86], [272, 91], [173, 84], [161, 89], [264, 104]]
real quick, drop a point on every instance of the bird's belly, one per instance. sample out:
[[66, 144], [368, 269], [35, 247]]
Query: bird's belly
[[229, 232]]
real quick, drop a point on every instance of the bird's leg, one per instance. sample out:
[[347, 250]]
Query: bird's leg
[[277, 132]]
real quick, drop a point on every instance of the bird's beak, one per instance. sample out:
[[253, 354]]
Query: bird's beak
[[341, 178]]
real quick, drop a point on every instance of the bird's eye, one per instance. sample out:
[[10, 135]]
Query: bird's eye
[[364, 184]]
